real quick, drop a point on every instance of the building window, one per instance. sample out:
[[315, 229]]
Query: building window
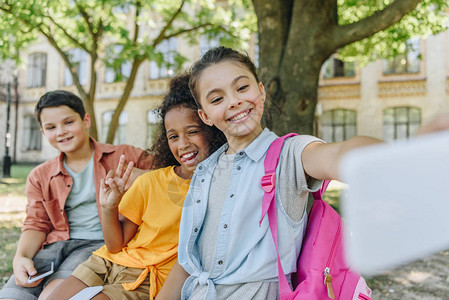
[[407, 62], [37, 70], [334, 67], [153, 120], [32, 137], [116, 71], [165, 67], [400, 122], [338, 125], [120, 133], [206, 43], [78, 58]]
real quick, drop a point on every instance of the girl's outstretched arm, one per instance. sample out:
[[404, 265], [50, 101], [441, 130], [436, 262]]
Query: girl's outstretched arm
[[117, 230], [321, 161], [171, 290]]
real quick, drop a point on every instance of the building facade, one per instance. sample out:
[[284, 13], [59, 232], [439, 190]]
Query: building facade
[[387, 99]]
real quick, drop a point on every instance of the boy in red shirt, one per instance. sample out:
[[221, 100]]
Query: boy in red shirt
[[62, 223]]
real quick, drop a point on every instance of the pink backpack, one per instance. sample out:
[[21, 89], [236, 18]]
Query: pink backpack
[[322, 272]]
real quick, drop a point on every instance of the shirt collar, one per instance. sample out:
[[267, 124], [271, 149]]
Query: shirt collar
[[260, 145], [99, 150], [255, 151]]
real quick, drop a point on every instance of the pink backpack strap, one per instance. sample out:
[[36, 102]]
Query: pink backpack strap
[[319, 194], [268, 183]]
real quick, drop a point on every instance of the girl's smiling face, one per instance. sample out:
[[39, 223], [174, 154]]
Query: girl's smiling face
[[232, 100], [186, 139]]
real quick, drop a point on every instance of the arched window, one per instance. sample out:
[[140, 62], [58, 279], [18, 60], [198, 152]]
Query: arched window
[[78, 57], [153, 120], [164, 68], [120, 133], [407, 62], [37, 70], [116, 71], [207, 42], [338, 125], [400, 122], [334, 67], [32, 137]]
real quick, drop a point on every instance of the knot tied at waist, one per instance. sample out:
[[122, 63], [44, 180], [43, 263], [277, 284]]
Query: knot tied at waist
[[203, 278], [130, 286]]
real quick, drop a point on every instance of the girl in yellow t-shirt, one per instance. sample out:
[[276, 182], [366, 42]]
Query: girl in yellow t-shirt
[[140, 227]]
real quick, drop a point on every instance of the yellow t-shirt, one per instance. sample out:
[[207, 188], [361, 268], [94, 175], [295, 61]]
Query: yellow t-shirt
[[154, 202]]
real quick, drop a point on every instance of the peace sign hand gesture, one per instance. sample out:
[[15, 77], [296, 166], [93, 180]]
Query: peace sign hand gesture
[[113, 186]]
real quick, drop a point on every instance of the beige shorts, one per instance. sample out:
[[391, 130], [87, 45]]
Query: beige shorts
[[99, 271]]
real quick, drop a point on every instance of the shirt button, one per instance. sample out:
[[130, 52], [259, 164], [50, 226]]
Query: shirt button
[[196, 230], [238, 167], [220, 262], [202, 180], [225, 226], [232, 195], [198, 201], [200, 167], [241, 153]]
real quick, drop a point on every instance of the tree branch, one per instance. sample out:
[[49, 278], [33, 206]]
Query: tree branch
[[161, 35], [377, 22], [136, 21], [86, 18], [187, 30], [68, 35]]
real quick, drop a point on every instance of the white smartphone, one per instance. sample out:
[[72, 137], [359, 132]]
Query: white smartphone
[[397, 203], [41, 273], [87, 293]]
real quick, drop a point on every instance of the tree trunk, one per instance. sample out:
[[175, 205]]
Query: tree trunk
[[89, 106], [293, 46], [123, 99], [295, 38]]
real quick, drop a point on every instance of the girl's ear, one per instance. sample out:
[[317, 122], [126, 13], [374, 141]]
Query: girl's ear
[[204, 118], [262, 91], [86, 121]]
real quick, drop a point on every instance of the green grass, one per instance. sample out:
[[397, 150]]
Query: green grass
[[11, 222], [15, 185]]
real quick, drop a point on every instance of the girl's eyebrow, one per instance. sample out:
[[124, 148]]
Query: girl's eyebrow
[[232, 83], [185, 127]]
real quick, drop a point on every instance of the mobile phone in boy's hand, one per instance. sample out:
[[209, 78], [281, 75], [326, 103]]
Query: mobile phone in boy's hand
[[42, 272]]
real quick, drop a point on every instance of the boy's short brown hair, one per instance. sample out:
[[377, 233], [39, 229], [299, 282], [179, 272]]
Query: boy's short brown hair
[[58, 98]]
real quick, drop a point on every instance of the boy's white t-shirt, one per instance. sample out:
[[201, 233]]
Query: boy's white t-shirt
[[81, 205]]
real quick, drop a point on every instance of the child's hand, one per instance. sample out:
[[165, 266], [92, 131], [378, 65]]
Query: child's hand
[[113, 186], [23, 267]]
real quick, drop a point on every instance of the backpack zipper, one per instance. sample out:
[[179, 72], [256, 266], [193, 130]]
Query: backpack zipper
[[327, 269], [364, 297]]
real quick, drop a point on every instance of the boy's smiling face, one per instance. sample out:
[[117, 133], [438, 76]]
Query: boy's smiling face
[[64, 129]]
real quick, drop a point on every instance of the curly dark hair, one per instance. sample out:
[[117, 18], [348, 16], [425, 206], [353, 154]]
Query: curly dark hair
[[179, 95]]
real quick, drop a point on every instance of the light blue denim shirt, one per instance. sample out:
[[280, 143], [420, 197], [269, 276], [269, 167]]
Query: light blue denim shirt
[[244, 250]]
